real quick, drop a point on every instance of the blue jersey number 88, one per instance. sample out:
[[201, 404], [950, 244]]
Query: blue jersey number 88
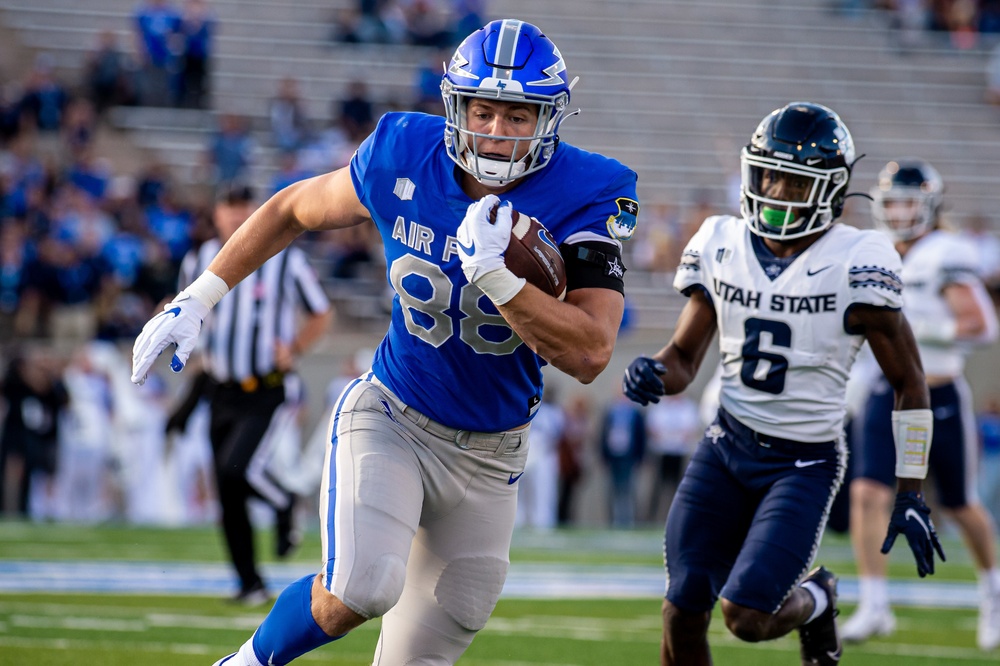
[[439, 326]]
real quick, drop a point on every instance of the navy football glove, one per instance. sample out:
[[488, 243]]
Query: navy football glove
[[912, 518], [642, 383]]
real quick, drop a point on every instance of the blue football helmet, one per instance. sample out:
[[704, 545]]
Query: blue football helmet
[[795, 172], [507, 60], [906, 199]]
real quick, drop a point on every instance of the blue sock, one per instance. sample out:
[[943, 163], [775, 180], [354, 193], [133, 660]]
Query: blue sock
[[289, 630]]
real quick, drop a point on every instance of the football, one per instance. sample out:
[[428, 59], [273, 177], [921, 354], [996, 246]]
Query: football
[[534, 255]]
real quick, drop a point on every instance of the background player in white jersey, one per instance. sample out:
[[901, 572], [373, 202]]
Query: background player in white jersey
[[419, 492], [792, 297], [949, 310]]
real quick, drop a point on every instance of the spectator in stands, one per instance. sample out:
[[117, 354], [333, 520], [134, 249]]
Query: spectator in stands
[[357, 113], [370, 22], [428, 23], [230, 150], [572, 455], [909, 20], [623, 445], [44, 99], [151, 182], [171, 224], [537, 496], [158, 36], [79, 127], [35, 395], [674, 428], [288, 171], [468, 15], [89, 173], [197, 29], [17, 264], [287, 116], [109, 74], [427, 84]]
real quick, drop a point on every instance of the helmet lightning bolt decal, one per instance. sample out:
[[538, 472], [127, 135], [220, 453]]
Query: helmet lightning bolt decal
[[552, 71], [459, 63]]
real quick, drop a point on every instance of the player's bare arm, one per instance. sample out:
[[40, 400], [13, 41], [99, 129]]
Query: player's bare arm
[[895, 349], [323, 202], [576, 336], [682, 357], [970, 316]]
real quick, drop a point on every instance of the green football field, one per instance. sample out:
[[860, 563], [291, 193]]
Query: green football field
[[118, 627]]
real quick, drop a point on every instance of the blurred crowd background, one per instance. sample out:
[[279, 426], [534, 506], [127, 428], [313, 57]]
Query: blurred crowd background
[[119, 120]]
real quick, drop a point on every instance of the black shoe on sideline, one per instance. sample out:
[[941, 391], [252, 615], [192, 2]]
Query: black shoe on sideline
[[820, 643]]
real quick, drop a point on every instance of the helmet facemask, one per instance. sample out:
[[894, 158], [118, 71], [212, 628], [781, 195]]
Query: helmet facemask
[[463, 142], [906, 199], [783, 200]]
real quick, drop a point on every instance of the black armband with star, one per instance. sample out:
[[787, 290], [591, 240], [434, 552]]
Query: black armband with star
[[594, 264]]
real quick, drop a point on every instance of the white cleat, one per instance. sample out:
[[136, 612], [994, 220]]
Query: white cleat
[[228, 659], [988, 630], [867, 622]]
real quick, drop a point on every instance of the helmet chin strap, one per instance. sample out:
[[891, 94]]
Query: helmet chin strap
[[482, 165]]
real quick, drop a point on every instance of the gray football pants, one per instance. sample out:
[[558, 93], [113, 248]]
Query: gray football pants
[[418, 520]]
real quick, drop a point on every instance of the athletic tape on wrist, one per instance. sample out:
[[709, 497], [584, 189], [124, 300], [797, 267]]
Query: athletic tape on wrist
[[500, 285], [208, 289], [912, 430]]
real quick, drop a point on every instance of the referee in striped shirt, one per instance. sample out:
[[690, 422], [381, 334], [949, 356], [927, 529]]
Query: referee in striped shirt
[[249, 345]]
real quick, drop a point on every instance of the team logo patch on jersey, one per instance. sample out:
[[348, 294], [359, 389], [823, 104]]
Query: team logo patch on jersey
[[723, 255], [404, 189], [622, 225], [875, 276]]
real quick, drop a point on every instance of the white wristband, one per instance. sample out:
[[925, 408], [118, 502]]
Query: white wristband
[[942, 330], [208, 289], [912, 430], [500, 285]]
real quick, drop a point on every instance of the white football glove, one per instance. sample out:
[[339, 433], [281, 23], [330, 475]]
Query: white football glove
[[179, 324], [481, 244]]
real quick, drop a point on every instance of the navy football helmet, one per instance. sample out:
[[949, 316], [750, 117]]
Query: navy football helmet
[[795, 172], [507, 60], [906, 199]]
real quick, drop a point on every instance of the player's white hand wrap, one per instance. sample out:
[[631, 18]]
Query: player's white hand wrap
[[481, 245], [912, 430], [179, 324]]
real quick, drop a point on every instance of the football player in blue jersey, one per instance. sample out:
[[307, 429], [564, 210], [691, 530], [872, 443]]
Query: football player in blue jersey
[[419, 495], [950, 312], [792, 297]]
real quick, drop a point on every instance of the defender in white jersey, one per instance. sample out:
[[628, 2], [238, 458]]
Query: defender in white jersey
[[792, 297], [425, 450], [949, 311]]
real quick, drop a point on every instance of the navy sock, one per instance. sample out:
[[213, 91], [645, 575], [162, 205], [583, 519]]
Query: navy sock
[[289, 630]]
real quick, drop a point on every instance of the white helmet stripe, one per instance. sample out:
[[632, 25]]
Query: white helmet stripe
[[510, 31]]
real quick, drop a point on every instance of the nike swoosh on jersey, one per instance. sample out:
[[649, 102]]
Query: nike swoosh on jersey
[[810, 272], [808, 463], [911, 514], [513, 479], [469, 249]]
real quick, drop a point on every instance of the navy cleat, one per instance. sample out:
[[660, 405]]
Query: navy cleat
[[820, 643]]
